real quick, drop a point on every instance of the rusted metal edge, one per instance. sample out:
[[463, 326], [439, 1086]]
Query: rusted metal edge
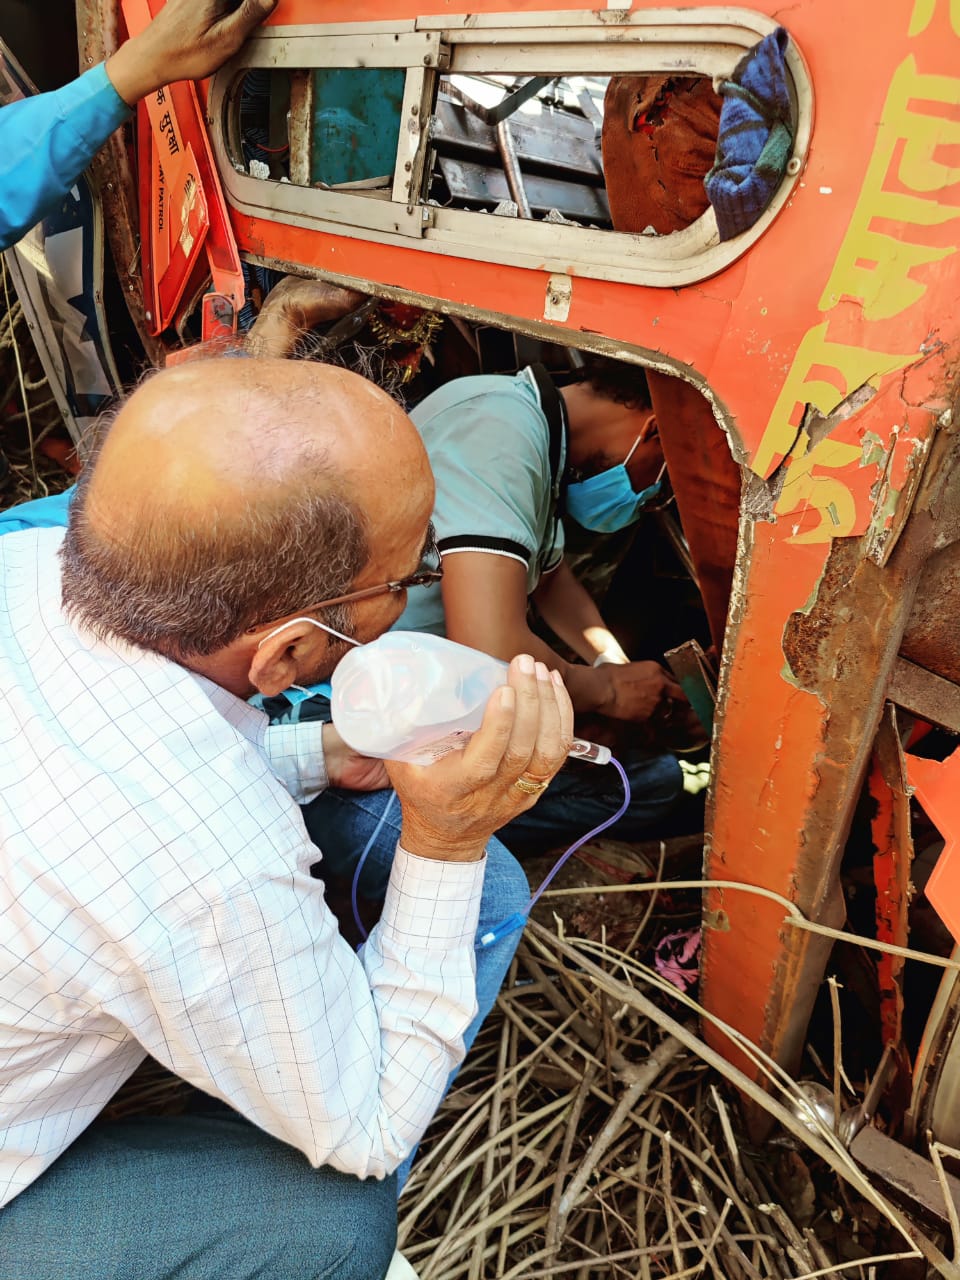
[[98, 35], [892, 861]]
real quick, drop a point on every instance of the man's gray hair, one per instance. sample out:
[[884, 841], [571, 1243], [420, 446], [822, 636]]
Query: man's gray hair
[[188, 590]]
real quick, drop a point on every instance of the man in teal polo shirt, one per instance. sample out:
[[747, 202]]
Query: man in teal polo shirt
[[509, 455]]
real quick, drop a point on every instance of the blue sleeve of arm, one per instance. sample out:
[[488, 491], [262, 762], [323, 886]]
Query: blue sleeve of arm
[[43, 513], [46, 142]]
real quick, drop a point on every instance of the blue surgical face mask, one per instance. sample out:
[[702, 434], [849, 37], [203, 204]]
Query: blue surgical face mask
[[297, 693], [608, 501]]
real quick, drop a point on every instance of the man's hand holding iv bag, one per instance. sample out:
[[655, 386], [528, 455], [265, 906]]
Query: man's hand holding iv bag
[[452, 808]]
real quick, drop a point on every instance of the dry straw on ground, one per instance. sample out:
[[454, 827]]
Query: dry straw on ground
[[593, 1133]]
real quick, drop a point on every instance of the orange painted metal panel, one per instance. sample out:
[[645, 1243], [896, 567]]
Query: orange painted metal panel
[[937, 787], [187, 190]]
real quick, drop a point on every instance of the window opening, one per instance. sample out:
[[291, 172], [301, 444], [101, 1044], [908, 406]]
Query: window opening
[[525, 146], [426, 130]]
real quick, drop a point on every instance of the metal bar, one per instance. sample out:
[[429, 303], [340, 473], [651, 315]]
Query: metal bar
[[563, 59], [926, 695], [511, 103], [893, 854], [511, 169], [346, 327], [909, 1179], [299, 130], [305, 47], [671, 527], [418, 93]]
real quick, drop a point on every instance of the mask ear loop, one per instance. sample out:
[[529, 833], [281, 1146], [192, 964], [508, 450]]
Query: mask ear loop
[[651, 489], [633, 450]]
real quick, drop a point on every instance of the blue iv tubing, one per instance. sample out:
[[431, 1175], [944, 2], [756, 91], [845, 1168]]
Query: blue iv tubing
[[363, 857], [518, 918]]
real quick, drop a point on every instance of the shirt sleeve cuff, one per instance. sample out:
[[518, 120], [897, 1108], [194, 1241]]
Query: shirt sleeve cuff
[[430, 903], [490, 544], [107, 97], [295, 754]]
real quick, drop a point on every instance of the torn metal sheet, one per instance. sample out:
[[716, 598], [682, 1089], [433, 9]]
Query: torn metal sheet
[[840, 479], [795, 761], [932, 637], [936, 785], [697, 679]]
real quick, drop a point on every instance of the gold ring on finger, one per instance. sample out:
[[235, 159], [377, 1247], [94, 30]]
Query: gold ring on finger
[[531, 786]]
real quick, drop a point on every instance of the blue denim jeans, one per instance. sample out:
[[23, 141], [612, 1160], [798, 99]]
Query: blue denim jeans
[[195, 1197], [579, 798]]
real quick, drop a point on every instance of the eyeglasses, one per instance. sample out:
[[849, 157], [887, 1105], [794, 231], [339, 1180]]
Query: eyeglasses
[[429, 570]]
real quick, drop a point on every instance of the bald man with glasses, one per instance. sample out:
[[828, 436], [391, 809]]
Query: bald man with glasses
[[154, 867]]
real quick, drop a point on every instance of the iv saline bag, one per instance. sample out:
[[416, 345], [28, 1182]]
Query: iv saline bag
[[414, 696]]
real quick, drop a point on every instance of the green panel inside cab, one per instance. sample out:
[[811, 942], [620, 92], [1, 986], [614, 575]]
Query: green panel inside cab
[[356, 123]]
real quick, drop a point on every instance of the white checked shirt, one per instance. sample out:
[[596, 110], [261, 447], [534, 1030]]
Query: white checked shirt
[[155, 898]]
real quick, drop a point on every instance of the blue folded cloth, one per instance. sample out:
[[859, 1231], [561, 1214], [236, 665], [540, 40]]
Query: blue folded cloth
[[755, 137]]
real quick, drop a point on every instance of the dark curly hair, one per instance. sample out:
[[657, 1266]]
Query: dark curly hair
[[615, 380]]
